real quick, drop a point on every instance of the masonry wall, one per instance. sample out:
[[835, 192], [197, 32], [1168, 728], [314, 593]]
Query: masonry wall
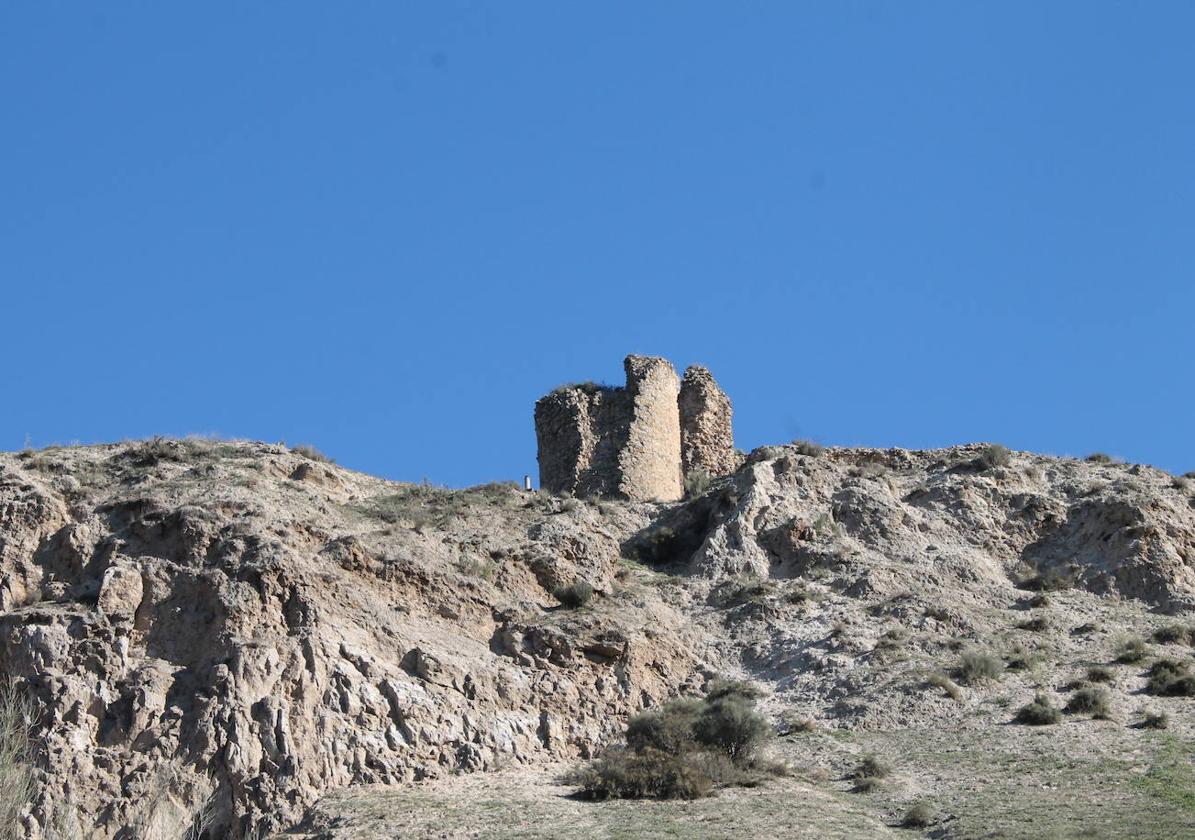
[[707, 433], [622, 442]]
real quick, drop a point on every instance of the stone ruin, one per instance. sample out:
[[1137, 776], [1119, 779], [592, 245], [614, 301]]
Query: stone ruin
[[638, 441]]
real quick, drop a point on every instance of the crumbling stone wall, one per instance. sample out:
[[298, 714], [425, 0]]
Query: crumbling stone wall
[[627, 442], [707, 435]]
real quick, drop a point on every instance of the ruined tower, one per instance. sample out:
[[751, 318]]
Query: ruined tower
[[707, 438], [627, 441]]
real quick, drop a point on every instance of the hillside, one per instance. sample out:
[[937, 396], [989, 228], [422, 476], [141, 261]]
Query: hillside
[[246, 639]]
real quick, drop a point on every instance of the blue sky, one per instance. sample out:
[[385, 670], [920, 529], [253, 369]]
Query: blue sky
[[386, 228]]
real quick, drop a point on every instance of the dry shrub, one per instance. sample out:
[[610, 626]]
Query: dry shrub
[[1038, 713], [1170, 678], [575, 595], [16, 774], [977, 666], [1090, 699], [684, 750]]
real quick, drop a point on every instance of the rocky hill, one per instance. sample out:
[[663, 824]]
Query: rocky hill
[[237, 639]]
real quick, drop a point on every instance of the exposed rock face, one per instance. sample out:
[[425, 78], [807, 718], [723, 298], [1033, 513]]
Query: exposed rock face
[[248, 630], [707, 435], [207, 620], [622, 442]]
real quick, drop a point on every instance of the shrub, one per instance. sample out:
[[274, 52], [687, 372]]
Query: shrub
[[1170, 678], [994, 456], [697, 481], [1041, 599], [976, 666], [866, 784], [1174, 634], [16, 776], [1051, 580], [1037, 624], [626, 774], [1038, 713], [801, 725], [731, 725], [575, 595], [1099, 674], [1154, 720], [946, 684], [937, 613], [1092, 699], [1020, 659], [1100, 458], [918, 816], [1131, 649], [669, 730], [683, 750], [311, 453], [808, 447], [872, 767]]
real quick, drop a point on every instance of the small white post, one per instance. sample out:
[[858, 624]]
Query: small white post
[[527, 483]]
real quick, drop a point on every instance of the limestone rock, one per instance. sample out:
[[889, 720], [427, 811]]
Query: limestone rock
[[120, 592]]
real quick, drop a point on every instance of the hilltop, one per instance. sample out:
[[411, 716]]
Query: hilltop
[[247, 639]]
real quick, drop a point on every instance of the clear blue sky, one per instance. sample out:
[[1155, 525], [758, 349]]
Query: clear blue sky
[[386, 228]]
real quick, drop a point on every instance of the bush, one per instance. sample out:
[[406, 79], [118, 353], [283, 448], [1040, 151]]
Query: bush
[[1100, 674], [669, 730], [977, 666], [919, 816], [1180, 634], [1170, 678], [16, 776], [731, 725], [1130, 650], [683, 750], [1154, 720], [1092, 699], [808, 447], [575, 595], [1037, 624], [1101, 458], [1020, 659], [872, 767], [994, 456], [946, 684], [697, 481], [1041, 599], [1050, 580], [311, 453], [626, 774], [1038, 713]]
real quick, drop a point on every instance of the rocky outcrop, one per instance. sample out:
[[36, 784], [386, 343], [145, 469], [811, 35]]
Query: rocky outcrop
[[707, 434], [206, 629], [209, 632]]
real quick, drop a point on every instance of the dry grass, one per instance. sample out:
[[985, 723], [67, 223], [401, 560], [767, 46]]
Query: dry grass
[[16, 776]]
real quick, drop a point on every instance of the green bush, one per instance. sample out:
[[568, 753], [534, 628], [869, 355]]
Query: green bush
[[697, 481], [626, 774], [976, 666], [311, 453], [994, 456], [1170, 678], [1038, 713], [918, 816], [1180, 634], [1132, 649], [669, 729], [1091, 699], [574, 595], [1100, 674], [872, 767], [1154, 720], [684, 749], [731, 725]]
